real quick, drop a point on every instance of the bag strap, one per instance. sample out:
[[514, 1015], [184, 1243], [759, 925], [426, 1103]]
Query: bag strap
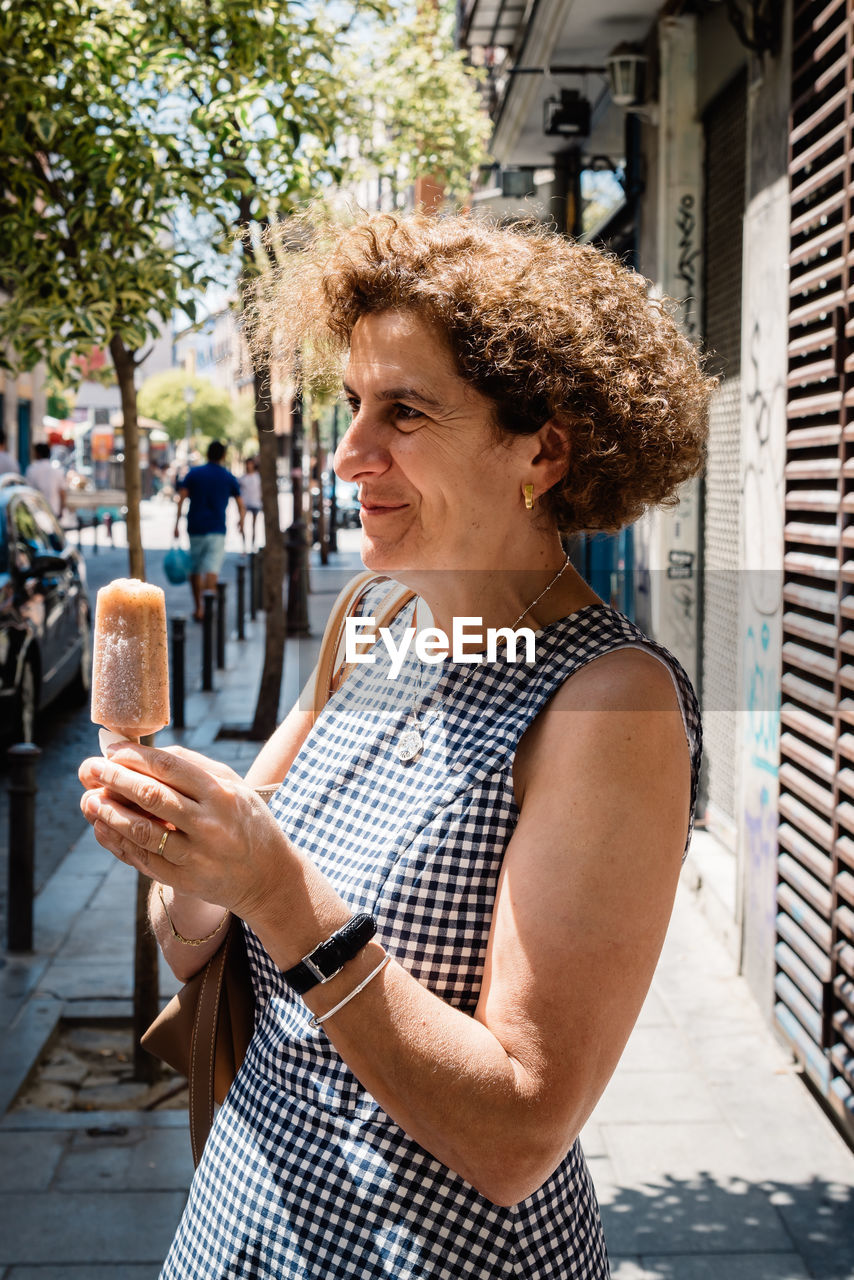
[[328, 677], [203, 1045]]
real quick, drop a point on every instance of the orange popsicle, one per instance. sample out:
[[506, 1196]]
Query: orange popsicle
[[130, 677]]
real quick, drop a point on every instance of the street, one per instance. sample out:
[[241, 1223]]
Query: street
[[65, 733]]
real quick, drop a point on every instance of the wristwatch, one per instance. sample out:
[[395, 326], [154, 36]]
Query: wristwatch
[[330, 956]]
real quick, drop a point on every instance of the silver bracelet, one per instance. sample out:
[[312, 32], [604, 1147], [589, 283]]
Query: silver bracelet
[[316, 1021]]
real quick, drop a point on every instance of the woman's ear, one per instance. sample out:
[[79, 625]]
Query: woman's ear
[[551, 457]]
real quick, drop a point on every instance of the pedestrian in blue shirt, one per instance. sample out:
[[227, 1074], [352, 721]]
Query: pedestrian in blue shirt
[[209, 489]]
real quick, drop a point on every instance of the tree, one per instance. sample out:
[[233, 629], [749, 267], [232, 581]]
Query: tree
[[87, 256], [423, 112], [212, 409]]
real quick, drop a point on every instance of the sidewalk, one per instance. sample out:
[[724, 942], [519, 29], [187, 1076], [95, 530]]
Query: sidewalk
[[710, 1158]]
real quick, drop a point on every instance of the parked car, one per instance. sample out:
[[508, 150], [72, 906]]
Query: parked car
[[45, 645]]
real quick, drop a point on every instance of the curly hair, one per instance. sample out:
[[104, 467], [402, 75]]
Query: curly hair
[[544, 327]]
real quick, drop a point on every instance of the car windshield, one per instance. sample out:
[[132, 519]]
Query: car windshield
[[33, 530], [49, 530]]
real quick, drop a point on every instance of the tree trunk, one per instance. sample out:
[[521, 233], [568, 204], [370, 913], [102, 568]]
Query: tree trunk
[[145, 967], [124, 363], [300, 531], [146, 975], [267, 707]]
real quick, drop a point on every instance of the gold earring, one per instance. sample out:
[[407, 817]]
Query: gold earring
[[528, 490]]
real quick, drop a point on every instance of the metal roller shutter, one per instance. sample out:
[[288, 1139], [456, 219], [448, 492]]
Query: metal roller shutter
[[724, 126], [815, 897]]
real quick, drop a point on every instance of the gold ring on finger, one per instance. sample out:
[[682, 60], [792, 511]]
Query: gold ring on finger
[[162, 844]]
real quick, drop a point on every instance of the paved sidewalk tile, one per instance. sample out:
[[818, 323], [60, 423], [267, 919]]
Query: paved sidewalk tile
[[110, 1272], [139, 1160], [819, 1215], [654, 1012], [752, 1266], [88, 1227], [28, 1161], [640, 1151], [785, 1127], [689, 1216], [656, 1097], [658, 1048]]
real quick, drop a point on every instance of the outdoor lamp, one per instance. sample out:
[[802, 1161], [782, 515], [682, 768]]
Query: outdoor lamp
[[567, 116], [626, 66], [518, 183]]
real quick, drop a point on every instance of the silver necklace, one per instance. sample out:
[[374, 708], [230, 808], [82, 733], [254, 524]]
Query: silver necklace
[[411, 742]]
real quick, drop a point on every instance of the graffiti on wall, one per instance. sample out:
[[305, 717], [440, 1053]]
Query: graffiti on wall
[[686, 266], [764, 490], [764, 366], [760, 818], [681, 571]]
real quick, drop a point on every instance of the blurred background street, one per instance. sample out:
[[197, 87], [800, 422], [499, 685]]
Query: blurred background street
[[66, 734]]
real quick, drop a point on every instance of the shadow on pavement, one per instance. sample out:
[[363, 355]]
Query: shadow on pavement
[[707, 1228]]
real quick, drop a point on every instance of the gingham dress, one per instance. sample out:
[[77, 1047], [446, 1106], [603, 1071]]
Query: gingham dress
[[304, 1175]]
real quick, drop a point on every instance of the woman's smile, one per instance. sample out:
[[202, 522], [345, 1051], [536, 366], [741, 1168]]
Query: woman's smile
[[373, 508]]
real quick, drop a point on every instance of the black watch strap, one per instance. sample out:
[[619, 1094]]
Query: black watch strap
[[330, 956]]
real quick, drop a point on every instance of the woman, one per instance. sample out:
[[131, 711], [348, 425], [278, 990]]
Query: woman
[[514, 830], [250, 492]]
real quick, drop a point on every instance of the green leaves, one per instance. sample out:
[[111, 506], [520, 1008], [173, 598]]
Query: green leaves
[[162, 397], [421, 105], [135, 138]]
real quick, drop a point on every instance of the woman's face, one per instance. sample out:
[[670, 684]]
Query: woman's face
[[437, 488]]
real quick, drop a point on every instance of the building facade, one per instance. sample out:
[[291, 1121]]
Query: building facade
[[729, 128], [23, 404]]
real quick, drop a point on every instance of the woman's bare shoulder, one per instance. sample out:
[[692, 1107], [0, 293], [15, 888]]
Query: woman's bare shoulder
[[610, 697]]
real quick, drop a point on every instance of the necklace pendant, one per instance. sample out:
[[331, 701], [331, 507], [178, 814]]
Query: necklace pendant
[[410, 746]]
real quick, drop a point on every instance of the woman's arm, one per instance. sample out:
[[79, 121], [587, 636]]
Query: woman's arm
[[583, 902], [279, 752], [582, 908]]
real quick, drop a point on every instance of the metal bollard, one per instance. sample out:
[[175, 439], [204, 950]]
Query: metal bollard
[[208, 642], [241, 601], [221, 593], [23, 759], [259, 576], [95, 523], [179, 651], [253, 587]]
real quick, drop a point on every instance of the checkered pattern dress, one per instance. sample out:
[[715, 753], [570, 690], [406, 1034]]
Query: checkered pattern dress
[[304, 1175]]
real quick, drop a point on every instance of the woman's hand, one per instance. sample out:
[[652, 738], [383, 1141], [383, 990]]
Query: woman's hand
[[222, 843], [214, 767]]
